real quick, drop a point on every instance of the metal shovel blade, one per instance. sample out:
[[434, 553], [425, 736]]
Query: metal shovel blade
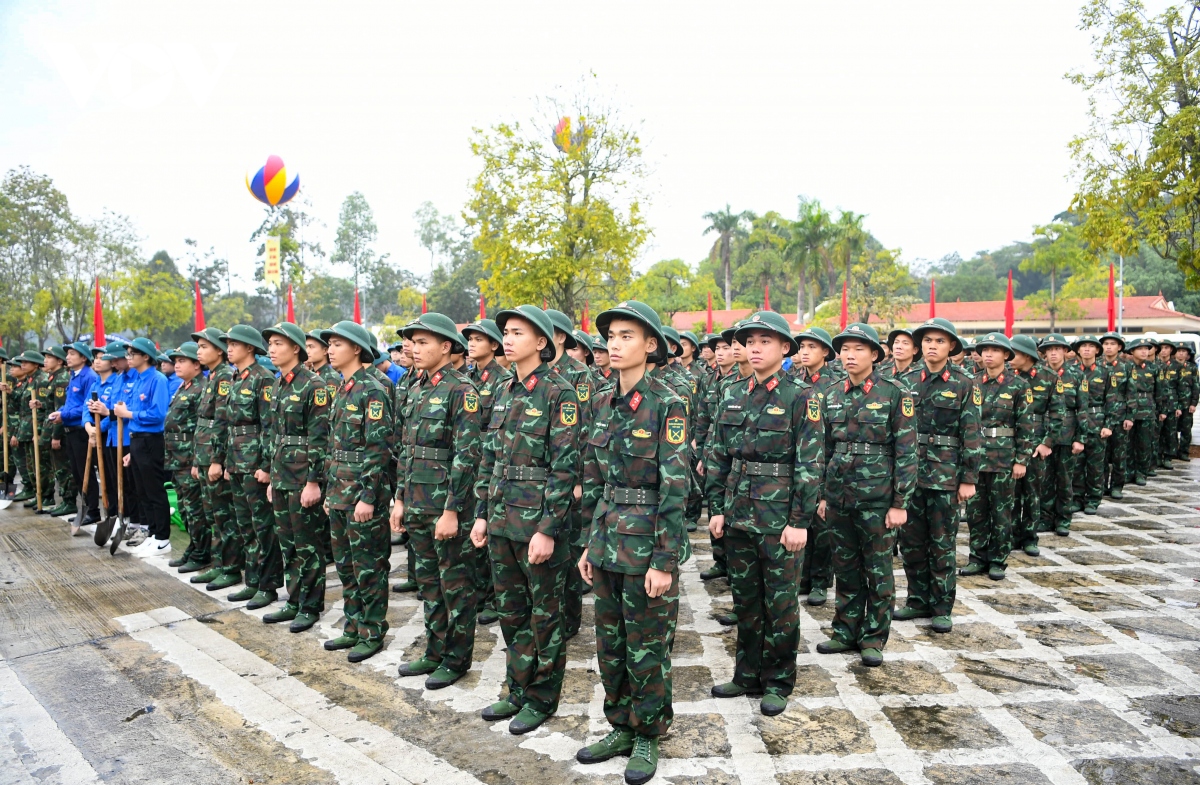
[[104, 530], [118, 537]]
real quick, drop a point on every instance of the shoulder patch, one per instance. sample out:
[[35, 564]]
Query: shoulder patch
[[906, 406], [676, 430], [223, 387], [375, 410], [976, 395], [470, 402], [320, 396], [583, 390], [814, 410], [1058, 387], [267, 394], [1028, 395], [568, 413]]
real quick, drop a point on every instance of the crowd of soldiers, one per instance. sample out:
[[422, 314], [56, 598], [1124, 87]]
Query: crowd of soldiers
[[523, 463]]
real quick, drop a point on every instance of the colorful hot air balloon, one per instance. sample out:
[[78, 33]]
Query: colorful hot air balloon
[[269, 184], [565, 140]]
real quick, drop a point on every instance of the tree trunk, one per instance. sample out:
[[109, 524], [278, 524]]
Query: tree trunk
[[812, 306], [725, 264], [800, 297], [1053, 301]]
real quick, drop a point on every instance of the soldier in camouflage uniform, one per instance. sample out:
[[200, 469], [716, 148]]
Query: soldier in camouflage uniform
[[484, 342], [582, 351], [1141, 407], [764, 475], [1046, 411], [602, 370], [1100, 414], [439, 451], [1189, 395], [577, 374], [245, 411], [726, 370], [400, 392], [1117, 369], [296, 445], [951, 452], [179, 433], [20, 426], [635, 485], [1058, 502], [1171, 402], [672, 373], [356, 489], [53, 450], [816, 572], [1008, 427], [524, 489], [904, 353], [870, 476], [690, 371], [40, 392], [318, 363]]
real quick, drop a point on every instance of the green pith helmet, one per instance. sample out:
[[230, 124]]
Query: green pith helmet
[[820, 336], [599, 344], [998, 341], [942, 325], [673, 343], [244, 333], [146, 347], [186, 349], [688, 335], [712, 338], [584, 341], [770, 322], [488, 329], [292, 333], [897, 332], [562, 323], [1085, 339], [639, 312], [1114, 336], [1053, 339], [461, 346], [56, 350], [356, 334], [213, 336], [439, 324], [1025, 345], [857, 331], [316, 336], [1165, 342], [536, 317], [30, 356], [78, 346], [729, 334]]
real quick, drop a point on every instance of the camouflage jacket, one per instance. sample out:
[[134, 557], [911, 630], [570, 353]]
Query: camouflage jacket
[[635, 479], [531, 458], [702, 429], [1117, 373], [245, 411], [1007, 405], [60, 380], [879, 415], [1068, 383], [179, 430], [212, 431], [1177, 395], [20, 419], [489, 380], [330, 377], [1164, 394], [579, 377], [766, 455], [359, 454], [824, 377], [1142, 393], [605, 377], [41, 389], [440, 445], [888, 368], [1046, 407], [297, 436], [949, 442], [1098, 404], [1189, 385]]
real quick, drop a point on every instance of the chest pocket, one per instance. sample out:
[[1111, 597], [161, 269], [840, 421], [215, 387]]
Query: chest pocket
[[530, 437], [773, 433], [638, 456], [497, 419], [601, 435], [431, 426], [945, 410], [351, 429]]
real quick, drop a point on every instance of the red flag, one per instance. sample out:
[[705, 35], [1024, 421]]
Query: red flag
[[98, 338], [583, 323], [708, 324], [845, 306], [424, 307], [767, 296], [482, 309], [1008, 309], [545, 304], [1112, 299], [357, 309], [932, 297], [291, 308]]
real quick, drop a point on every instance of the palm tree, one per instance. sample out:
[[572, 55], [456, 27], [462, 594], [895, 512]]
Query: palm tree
[[849, 239], [808, 248], [727, 224]]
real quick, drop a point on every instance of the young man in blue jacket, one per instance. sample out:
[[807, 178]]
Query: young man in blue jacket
[[145, 414]]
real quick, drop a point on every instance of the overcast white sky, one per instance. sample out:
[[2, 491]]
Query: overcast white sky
[[947, 123]]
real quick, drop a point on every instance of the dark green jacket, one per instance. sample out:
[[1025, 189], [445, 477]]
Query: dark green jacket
[[179, 430], [1008, 406], [245, 410], [949, 443], [440, 445], [360, 435], [297, 436]]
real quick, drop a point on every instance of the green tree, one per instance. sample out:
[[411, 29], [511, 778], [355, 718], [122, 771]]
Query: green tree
[[1138, 164], [765, 255], [727, 225], [560, 224], [671, 286], [808, 250], [1058, 252], [36, 228], [457, 265], [882, 286], [849, 240]]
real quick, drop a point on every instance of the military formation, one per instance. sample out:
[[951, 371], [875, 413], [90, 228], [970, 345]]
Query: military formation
[[522, 463]]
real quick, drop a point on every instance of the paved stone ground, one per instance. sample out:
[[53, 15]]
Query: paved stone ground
[[1081, 667]]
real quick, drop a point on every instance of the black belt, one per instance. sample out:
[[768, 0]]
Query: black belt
[[72, 428], [993, 432], [293, 441], [209, 424], [1095, 410], [525, 473], [937, 441], [754, 469], [630, 495], [177, 437], [430, 453], [349, 456], [243, 430], [863, 448]]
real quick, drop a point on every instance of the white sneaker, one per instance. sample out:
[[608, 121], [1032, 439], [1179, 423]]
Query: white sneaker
[[151, 547]]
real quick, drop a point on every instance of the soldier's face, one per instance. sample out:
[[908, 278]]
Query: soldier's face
[[629, 344], [430, 351], [993, 357], [282, 351], [1164, 353], [341, 352], [28, 368], [479, 347], [52, 364], [1111, 348], [601, 358], [707, 354], [812, 354], [1142, 353], [689, 351], [1181, 355], [903, 348], [857, 357], [1056, 355], [521, 341], [738, 351], [1087, 352], [208, 354], [187, 368], [316, 350], [765, 350], [935, 347], [239, 352], [724, 354], [578, 353]]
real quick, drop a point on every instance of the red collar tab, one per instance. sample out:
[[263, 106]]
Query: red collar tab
[[1000, 378], [946, 374], [771, 385], [846, 386], [349, 384], [867, 385], [752, 384], [1060, 370], [607, 373], [484, 376], [816, 377], [187, 384], [288, 378], [245, 373], [923, 375], [437, 378], [531, 382], [635, 401]]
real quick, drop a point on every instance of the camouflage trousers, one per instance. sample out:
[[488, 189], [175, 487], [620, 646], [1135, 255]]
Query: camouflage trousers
[[1184, 429], [1143, 442], [1116, 459], [528, 598], [990, 518], [299, 530], [17, 465], [1088, 479], [1058, 490], [634, 636], [816, 572], [763, 579], [865, 587], [252, 511], [445, 575], [220, 524], [1027, 503], [191, 510], [1168, 438], [927, 547], [360, 553], [44, 470], [695, 500], [572, 602], [60, 463], [485, 588]]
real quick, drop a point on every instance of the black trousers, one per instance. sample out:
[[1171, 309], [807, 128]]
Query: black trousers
[[111, 467], [76, 443], [146, 466]]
